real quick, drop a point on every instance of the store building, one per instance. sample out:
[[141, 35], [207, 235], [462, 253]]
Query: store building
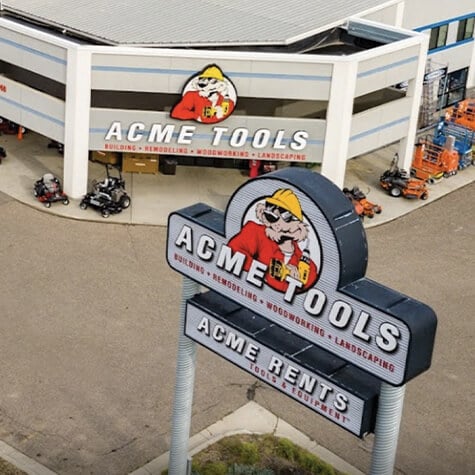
[[293, 85]]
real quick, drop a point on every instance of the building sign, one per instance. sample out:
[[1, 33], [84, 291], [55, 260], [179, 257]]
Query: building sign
[[208, 97], [434, 75], [216, 141], [290, 248], [327, 394]]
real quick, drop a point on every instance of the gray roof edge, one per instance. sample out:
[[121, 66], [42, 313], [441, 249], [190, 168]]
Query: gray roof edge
[[107, 38]]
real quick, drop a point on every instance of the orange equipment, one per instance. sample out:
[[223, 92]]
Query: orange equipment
[[462, 113], [432, 162], [363, 206], [397, 182]]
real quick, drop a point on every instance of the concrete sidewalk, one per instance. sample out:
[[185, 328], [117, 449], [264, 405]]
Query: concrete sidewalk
[[154, 197], [250, 419]]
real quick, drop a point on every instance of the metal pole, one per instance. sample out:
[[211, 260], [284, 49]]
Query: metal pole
[[386, 434], [184, 382]]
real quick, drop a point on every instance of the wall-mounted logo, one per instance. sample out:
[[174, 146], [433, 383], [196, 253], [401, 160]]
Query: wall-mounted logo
[[277, 234], [208, 97]]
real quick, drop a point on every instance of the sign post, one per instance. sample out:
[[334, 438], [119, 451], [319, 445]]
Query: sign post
[[184, 383], [386, 434], [289, 302]]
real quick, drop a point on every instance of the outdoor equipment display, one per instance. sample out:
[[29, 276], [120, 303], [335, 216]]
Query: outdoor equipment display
[[463, 113], [432, 161], [397, 182], [363, 206], [464, 140], [48, 190], [107, 196]]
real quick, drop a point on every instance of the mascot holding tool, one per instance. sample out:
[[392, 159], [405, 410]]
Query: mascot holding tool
[[208, 97], [278, 239]]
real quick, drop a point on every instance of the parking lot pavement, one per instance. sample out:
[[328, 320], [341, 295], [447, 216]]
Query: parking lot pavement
[[89, 316]]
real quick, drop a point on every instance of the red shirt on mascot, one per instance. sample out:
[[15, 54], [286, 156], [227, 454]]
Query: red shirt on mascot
[[275, 242]]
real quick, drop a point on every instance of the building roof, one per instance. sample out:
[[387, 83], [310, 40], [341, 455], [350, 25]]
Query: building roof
[[191, 23]]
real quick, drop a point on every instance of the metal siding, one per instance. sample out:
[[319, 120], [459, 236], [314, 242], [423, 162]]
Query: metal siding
[[252, 78], [33, 54], [33, 109], [386, 70], [194, 22], [379, 126], [101, 120], [457, 58]]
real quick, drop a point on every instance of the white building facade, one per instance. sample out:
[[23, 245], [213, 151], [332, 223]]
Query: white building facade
[[324, 106]]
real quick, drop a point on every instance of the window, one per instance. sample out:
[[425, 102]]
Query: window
[[453, 89], [438, 36], [465, 29]]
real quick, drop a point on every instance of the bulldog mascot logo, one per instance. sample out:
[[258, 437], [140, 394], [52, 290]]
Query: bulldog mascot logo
[[279, 238], [208, 97]]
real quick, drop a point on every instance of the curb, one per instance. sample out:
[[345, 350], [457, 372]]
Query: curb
[[256, 420], [22, 462]]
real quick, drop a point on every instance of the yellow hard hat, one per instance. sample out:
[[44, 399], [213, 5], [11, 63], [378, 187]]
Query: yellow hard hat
[[286, 199], [212, 72]]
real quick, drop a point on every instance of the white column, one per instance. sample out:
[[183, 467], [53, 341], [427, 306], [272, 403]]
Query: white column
[[399, 14], [76, 123], [339, 116], [414, 90]]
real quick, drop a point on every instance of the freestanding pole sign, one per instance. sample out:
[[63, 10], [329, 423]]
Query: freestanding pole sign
[[291, 250]]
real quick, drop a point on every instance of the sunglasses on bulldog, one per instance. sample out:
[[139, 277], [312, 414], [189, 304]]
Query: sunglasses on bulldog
[[274, 213]]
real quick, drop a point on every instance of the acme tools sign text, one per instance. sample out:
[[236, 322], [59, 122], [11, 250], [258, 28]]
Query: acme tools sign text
[[291, 249]]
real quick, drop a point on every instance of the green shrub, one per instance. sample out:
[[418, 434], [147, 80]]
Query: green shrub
[[252, 454], [286, 449]]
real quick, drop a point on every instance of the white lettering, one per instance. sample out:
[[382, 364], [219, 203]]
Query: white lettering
[[275, 365], [341, 402], [185, 238], [291, 374], [238, 137], [299, 141], [261, 138], [256, 273], [314, 302], [135, 132], [307, 383], [218, 134], [251, 352], [361, 325], [325, 390], [279, 140], [229, 262], [389, 336], [340, 314], [204, 243], [115, 131], [236, 343], [186, 134], [218, 333], [203, 326], [294, 284], [161, 134]]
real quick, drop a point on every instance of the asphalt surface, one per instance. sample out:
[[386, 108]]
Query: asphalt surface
[[89, 322]]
